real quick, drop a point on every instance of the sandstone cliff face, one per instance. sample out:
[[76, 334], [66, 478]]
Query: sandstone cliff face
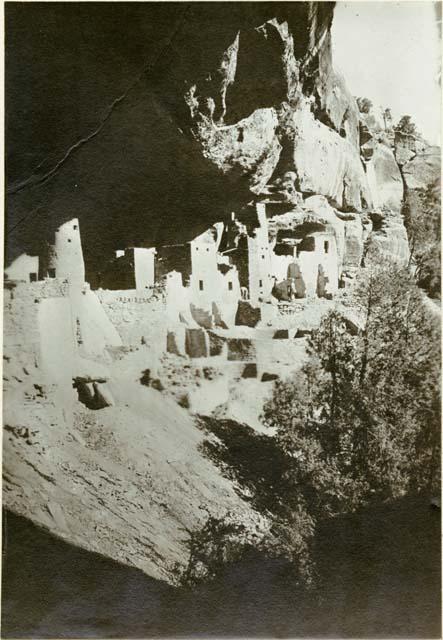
[[235, 100], [423, 168], [306, 121], [230, 103], [384, 177], [388, 236], [302, 123]]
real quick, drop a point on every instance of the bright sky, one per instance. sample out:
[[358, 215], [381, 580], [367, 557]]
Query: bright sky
[[390, 52]]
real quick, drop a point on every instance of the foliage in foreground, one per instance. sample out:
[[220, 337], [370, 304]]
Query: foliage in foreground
[[422, 211], [218, 543], [361, 421], [359, 424], [221, 542], [407, 126]]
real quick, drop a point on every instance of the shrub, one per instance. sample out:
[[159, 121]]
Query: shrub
[[220, 542]]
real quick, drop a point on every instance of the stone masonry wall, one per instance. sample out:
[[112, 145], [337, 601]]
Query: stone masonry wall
[[138, 317]]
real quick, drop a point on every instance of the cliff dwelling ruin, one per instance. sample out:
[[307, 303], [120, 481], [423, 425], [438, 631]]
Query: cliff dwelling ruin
[[172, 268]]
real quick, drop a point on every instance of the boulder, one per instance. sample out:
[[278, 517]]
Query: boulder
[[94, 395], [326, 163], [423, 169], [157, 385], [85, 392], [353, 249], [384, 178], [103, 396], [389, 239], [146, 377]]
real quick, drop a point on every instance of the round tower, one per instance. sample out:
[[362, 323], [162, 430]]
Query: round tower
[[65, 259]]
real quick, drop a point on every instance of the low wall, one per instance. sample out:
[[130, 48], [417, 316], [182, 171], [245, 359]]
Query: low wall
[[51, 323], [140, 318], [197, 343]]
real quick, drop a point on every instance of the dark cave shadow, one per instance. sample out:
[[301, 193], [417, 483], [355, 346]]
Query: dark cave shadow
[[380, 577], [252, 460]]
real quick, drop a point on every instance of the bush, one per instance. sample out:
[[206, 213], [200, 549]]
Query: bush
[[406, 126], [220, 542], [364, 105], [421, 211], [359, 424]]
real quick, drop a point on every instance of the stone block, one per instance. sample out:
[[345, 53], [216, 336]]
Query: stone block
[[103, 396]]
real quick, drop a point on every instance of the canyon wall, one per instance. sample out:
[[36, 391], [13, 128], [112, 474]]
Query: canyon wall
[[234, 101], [228, 104]]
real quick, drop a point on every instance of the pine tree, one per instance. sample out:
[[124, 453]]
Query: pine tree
[[361, 420], [405, 125]]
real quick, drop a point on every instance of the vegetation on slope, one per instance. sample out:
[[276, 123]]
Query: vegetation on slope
[[358, 426], [422, 210]]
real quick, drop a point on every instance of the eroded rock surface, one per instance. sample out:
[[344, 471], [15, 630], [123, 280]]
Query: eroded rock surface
[[423, 169], [127, 480], [231, 104]]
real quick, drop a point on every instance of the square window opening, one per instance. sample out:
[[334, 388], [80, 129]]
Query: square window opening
[[51, 273], [33, 277]]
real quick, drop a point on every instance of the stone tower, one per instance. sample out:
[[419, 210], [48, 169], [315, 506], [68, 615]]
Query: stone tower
[[65, 255], [259, 258]]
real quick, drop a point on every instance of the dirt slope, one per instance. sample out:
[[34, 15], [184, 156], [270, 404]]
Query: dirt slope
[[127, 481]]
